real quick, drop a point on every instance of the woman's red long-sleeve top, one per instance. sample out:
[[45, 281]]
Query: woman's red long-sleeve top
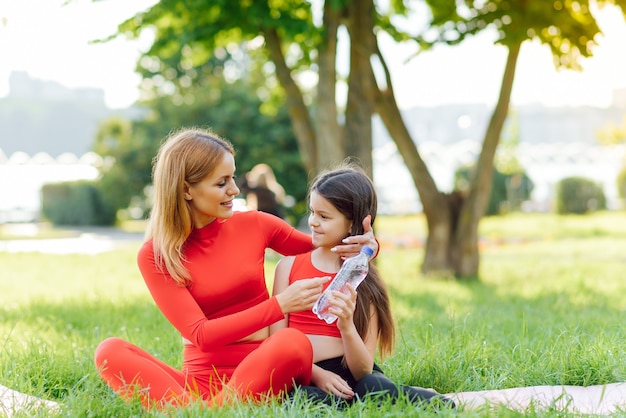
[[227, 299]]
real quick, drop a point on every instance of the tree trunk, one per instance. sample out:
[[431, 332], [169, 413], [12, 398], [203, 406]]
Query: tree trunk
[[435, 204], [330, 144], [358, 127], [298, 112], [452, 219], [465, 255]]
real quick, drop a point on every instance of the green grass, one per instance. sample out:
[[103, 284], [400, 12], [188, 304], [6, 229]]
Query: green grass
[[548, 310]]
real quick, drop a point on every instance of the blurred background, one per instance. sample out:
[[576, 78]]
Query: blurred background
[[65, 102]]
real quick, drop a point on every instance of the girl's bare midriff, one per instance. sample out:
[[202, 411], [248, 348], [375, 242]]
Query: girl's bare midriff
[[325, 347]]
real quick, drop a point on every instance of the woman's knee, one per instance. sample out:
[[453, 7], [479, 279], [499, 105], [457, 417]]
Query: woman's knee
[[293, 343], [108, 349]]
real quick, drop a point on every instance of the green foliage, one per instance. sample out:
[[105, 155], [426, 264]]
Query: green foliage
[[76, 203], [188, 36], [200, 74], [567, 28], [232, 111], [579, 195], [128, 162], [508, 191]]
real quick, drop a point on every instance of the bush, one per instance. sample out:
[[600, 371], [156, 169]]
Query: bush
[[508, 191], [579, 195], [75, 203]]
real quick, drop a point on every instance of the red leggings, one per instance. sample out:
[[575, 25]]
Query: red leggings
[[248, 370]]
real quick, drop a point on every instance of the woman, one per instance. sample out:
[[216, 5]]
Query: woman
[[203, 265]]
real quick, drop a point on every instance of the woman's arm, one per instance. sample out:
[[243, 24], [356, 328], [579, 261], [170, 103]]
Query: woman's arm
[[287, 240], [181, 309]]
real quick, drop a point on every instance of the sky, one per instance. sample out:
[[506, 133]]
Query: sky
[[50, 41]]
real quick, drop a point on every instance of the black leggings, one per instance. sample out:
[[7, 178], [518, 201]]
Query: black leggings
[[375, 385]]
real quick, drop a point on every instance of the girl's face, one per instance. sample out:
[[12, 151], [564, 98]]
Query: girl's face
[[328, 225], [213, 197]]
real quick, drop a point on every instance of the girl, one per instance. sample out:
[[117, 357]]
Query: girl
[[344, 351], [203, 266]]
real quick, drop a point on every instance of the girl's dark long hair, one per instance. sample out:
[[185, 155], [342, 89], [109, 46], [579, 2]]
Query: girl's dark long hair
[[352, 192]]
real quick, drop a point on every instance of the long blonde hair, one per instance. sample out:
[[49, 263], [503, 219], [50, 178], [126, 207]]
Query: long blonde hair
[[188, 155]]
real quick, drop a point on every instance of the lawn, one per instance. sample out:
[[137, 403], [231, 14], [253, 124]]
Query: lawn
[[548, 310]]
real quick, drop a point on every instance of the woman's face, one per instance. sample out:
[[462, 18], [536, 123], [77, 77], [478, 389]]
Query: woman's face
[[328, 225], [212, 198]]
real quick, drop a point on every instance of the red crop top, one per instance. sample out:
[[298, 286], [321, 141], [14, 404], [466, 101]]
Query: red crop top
[[307, 321]]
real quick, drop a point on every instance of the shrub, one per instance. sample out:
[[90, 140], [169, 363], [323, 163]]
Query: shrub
[[579, 195], [75, 203], [508, 191]]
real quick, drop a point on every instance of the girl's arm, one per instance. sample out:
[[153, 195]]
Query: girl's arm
[[359, 353], [281, 282]]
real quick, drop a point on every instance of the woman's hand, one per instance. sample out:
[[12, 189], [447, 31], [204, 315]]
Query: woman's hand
[[331, 383], [301, 295], [352, 245]]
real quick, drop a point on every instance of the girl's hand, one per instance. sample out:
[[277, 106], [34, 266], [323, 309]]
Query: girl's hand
[[352, 245], [301, 295], [332, 383], [343, 305]]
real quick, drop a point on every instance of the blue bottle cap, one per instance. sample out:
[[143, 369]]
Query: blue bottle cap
[[368, 251]]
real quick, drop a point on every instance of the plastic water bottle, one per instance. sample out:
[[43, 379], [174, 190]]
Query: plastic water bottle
[[353, 271]]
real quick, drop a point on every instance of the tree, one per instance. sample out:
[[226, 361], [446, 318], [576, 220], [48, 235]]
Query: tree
[[570, 31], [296, 43], [127, 155], [230, 111]]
